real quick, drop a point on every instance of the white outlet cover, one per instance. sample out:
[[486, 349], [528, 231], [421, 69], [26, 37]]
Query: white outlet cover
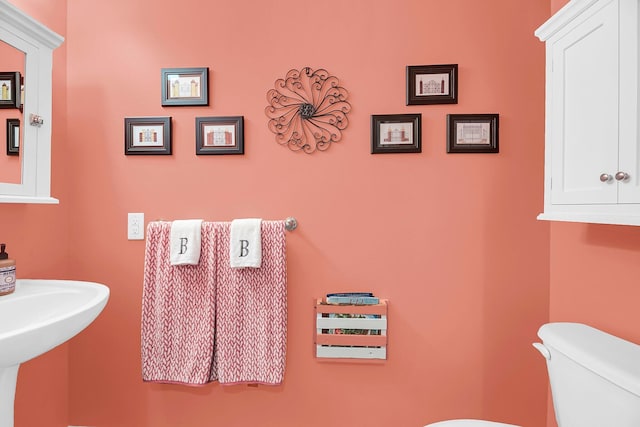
[[135, 226]]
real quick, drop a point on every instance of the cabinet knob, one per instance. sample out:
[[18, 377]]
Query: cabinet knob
[[622, 176], [605, 177]]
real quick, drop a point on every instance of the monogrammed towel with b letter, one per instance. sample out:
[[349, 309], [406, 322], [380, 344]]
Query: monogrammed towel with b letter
[[185, 241], [245, 246]]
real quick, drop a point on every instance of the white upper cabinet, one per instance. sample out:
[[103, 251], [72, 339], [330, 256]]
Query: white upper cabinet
[[592, 161], [37, 42]]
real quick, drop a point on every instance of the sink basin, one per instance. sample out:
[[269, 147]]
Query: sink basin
[[42, 314], [38, 316]]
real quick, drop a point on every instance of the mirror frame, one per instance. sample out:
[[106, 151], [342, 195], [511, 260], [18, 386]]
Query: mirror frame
[[37, 42]]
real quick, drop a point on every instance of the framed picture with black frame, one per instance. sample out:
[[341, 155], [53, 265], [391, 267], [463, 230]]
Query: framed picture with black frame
[[185, 86], [472, 133], [147, 135], [432, 84], [220, 135], [13, 137], [10, 89], [396, 133]]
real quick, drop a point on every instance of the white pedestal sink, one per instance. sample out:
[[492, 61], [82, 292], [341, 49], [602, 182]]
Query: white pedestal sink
[[38, 316]]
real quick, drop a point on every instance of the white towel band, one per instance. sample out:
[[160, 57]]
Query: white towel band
[[185, 241], [245, 246]]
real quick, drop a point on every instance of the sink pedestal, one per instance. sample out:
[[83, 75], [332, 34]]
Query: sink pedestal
[[8, 377]]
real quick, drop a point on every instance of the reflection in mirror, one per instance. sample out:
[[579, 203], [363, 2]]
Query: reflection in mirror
[[11, 116]]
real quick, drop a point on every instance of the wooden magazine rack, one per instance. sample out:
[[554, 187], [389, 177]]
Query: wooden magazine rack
[[351, 331]]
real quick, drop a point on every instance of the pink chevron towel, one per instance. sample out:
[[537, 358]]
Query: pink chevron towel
[[178, 311], [251, 311]]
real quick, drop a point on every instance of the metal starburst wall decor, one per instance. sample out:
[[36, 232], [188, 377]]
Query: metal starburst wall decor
[[307, 110]]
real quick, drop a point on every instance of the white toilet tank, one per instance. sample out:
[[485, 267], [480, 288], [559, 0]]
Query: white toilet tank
[[595, 376]]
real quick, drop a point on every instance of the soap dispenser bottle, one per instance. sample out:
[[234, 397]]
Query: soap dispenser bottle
[[7, 272]]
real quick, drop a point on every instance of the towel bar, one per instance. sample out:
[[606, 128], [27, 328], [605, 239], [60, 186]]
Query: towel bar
[[290, 223]]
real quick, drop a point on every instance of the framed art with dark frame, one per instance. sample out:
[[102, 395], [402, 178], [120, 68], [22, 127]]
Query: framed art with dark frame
[[10, 89], [472, 133], [185, 86], [432, 84], [147, 135], [13, 137], [396, 133], [220, 135]]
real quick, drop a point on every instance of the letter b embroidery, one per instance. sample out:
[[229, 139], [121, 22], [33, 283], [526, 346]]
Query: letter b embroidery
[[244, 248], [183, 245]]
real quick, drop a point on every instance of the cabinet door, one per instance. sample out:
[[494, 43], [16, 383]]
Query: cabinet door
[[584, 127], [629, 162]]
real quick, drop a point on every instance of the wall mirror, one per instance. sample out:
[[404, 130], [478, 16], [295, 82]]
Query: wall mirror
[[11, 113], [25, 175]]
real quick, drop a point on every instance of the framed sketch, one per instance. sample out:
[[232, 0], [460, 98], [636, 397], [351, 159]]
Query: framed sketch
[[10, 90], [185, 86], [396, 133], [147, 135], [472, 133], [432, 84], [220, 135], [13, 137]]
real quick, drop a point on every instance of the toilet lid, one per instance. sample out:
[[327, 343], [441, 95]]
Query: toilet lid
[[469, 423]]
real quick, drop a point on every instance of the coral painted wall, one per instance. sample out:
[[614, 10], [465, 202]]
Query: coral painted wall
[[450, 239]]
